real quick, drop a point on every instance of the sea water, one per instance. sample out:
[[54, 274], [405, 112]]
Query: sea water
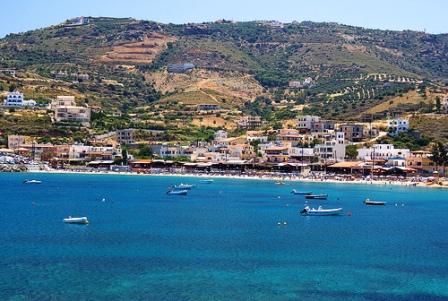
[[220, 242]]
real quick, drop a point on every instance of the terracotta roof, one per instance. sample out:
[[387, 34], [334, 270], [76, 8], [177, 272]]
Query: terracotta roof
[[354, 164], [143, 161]]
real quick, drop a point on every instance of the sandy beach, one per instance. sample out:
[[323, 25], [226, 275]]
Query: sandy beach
[[412, 182]]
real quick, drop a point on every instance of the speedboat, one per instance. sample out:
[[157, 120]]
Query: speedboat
[[301, 192], [207, 181], [177, 192], [76, 220], [32, 182], [320, 211], [316, 196], [183, 186], [374, 203]]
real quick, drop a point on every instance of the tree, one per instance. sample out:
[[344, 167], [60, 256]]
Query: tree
[[430, 106], [438, 104], [144, 151], [351, 151], [440, 155], [124, 156]]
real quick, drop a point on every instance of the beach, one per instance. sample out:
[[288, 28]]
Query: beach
[[323, 178]]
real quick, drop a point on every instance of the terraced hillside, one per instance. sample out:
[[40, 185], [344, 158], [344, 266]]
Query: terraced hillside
[[120, 64]]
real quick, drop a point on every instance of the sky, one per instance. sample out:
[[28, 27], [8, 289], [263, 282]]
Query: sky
[[428, 15]]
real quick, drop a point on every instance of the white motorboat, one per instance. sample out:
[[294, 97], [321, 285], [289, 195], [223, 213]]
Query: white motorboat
[[301, 192], [316, 196], [76, 220], [207, 181], [32, 182], [320, 211], [177, 192], [183, 186], [369, 202]]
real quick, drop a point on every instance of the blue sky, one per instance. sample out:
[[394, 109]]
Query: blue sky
[[429, 15]]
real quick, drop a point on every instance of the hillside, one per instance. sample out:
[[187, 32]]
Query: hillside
[[119, 65]]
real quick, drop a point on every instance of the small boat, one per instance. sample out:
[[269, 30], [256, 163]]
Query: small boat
[[316, 196], [280, 183], [374, 203], [76, 220], [207, 181], [183, 186], [177, 192], [320, 211], [300, 192], [32, 182]]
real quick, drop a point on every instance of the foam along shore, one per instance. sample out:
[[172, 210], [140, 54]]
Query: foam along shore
[[262, 176]]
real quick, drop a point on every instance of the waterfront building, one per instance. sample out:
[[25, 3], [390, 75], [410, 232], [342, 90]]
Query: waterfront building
[[81, 152], [397, 161], [167, 151], [276, 154], [301, 154], [332, 150], [381, 152], [422, 162]]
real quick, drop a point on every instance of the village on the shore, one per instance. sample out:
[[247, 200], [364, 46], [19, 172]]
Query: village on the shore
[[311, 147]]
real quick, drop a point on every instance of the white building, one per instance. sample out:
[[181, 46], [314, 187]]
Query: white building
[[381, 152], [397, 161], [219, 135], [165, 150], [15, 141], [307, 122], [87, 152], [302, 154], [66, 110], [16, 99], [397, 126], [256, 136], [444, 105], [332, 150]]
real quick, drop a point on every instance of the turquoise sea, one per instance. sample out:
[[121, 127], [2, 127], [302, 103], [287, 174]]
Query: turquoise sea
[[221, 242]]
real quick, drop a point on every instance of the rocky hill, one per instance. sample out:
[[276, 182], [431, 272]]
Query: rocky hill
[[120, 64]]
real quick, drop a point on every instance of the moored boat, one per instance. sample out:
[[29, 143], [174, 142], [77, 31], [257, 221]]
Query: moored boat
[[183, 186], [316, 196], [206, 181], [76, 220], [374, 203], [32, 182], [177, 192], [321, 211], [294, 191]]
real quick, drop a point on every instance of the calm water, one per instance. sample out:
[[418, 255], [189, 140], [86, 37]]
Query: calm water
[[221, 242]]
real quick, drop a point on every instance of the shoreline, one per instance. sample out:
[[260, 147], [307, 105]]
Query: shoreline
[[265, 177]]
